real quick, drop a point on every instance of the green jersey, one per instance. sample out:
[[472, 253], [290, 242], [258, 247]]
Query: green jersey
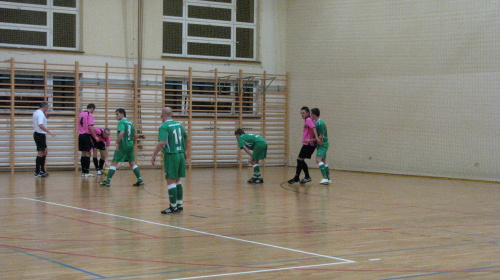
[[174, 135], [321, 129], [127, 142], [249, 140]]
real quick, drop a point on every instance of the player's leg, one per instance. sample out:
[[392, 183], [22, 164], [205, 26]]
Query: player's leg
[[95, 160], [308, 151], [170, 168], [137, 173], [181, 174]]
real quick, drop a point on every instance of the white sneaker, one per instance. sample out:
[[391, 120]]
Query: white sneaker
[[325, 182], [99, 172]]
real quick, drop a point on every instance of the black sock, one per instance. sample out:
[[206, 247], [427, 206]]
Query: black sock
[[87, 164], [299, 169], [101, 164], [306, 169], [38, 162], [96, 163], [42, 164], [82, 161]]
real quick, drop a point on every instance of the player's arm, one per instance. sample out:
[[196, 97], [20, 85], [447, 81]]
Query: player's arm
[[186, 148], [42, 127], [158, 148], [247, 150], [319, 139], [94, 135], [118, 139]]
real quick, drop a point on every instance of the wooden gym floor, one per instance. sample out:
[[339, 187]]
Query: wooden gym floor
[[362, 226]]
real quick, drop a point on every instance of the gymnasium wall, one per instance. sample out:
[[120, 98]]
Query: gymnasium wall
[[405, 87]]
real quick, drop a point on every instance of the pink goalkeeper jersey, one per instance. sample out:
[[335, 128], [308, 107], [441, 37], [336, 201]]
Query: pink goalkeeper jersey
[[308, 132], [98, 132], [85, 119]]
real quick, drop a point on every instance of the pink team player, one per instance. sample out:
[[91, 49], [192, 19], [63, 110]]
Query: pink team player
[[308, 147], [101, 144]]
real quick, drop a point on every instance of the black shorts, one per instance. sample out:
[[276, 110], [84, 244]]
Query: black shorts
[[85, 142], [306, 151], [100, 145], [40, 141]]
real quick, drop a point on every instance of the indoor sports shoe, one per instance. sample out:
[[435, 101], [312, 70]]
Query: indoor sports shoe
[[251, 180], [104, 183], [180, 208], [138, 183], [258, 181], [99, 172], [38, 175], [44, 174], [325, 182], [305, 180], [293, 180], [169, 210]]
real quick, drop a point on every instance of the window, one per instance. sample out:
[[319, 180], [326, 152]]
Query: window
[[45, 24], [30, 91], [206, 100], [210, 29]]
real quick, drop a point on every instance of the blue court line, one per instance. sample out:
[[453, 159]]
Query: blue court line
[[437, 273], [55, 262]]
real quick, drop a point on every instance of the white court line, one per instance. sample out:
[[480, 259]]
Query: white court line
[[341, 261]]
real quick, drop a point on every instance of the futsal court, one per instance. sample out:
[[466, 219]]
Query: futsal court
[[362, 226]]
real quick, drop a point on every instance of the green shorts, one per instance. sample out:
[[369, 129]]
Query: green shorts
[[259, 151], [124, 155], [174, 166], [321, 151]]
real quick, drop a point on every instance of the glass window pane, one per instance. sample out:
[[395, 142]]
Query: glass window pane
[[23, 16], [64, 30], [65, 3], [209, 31], [209, 13], [172, 8], [245, 11], [35, 2], [209, 49], [21, 37], [172, 37], [244, 42]]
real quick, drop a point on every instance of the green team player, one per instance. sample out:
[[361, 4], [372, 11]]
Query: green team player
[[258, 145], [172, 141], [124, 152], [322, 142]]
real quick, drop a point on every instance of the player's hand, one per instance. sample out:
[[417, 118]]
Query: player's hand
[[117, 147], [153, 159]]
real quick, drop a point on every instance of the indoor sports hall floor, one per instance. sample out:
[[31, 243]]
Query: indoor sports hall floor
[[362, 226]]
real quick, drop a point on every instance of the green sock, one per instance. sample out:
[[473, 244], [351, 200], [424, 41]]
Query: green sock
[[256, 171], [179, 194], [327, 171], [323, 170], [137, 173], [172, 195], [111, 172]]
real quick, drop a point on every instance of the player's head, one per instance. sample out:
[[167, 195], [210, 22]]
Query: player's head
[[166, 113], [44, 106], [120, 113], [91, 106], [304, 112], [105, 133], [239, 132], [315, 111]]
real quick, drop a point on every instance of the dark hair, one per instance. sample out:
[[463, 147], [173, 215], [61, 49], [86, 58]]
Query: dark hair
[[105, 130], [315, 111], [305, 108], [44, 104], [121, 111], [239, 131], [91, 106]]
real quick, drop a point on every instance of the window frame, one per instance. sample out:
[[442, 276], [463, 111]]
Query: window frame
[[48, 29], [185, 21]]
